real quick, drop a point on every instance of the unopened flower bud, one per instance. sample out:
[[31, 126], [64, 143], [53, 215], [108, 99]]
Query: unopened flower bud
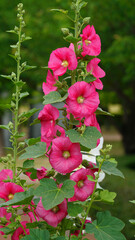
[[21, 144], [65, 31], [86, 20], [73, 6]]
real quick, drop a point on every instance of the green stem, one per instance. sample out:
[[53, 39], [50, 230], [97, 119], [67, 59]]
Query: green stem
[[91, 202], [23, 229], [33, 213], [16, 112]]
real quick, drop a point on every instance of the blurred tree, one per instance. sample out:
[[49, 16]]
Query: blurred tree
[[114, 22]]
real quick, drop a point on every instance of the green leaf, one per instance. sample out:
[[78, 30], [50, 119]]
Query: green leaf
[[32, 141], [61, 178], [12, 56], [106, 227], [27, 67], [88, 139], [51, 194], [5, 106], [132, 221], [24, 94], [111, 169], [74, 209], [28, 114], [5, 127], [102, 112], [72, 39], [34, 151], [26, 38], [54, 97], [60, 10], [89, 78], [28, 164], [107, 196], [82, 5], [91, 178], [6, 76], [37, 234], [36, 121], [60, 238], [7, 230], [20, 198], [132, 201]]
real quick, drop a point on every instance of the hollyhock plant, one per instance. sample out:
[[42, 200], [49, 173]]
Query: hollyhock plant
[[96, 71], [48, 86], [5, 218], [62, 59], [5, 174], [91, 42], [65, 156], [8, 189], [82, 99], [48, 117], [19, 232], [84, 187], [53, 216]]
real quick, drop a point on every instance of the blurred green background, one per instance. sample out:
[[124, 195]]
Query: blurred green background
[[114, 21]]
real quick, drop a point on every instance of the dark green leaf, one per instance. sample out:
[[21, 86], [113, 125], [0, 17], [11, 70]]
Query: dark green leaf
[[82, 5], [24, 94], [7, 230], [102, 112], [28, 164], [89, 78], [37, 234], [61, 178], [34, 151], [72, 39], [111, 169], [60, 10], [20, 198], [32, 141], [54, 97], [51, 194], [74, 209], [106, 227], [36, 121], [5, 106], [27, 67], [107, 196], [12, 56], [87, 139], [5, 127]]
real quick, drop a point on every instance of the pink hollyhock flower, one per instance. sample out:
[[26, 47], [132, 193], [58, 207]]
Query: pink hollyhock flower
[[5, 216], [57, 131], [8, 189], [84, 187], [82, 99], [96, 71], [62, 59], [48, 117], [65, 156], [28, 210], [91, 42], [29, 174], [41, 173], [49, 85], [53, 216], [19, 232], [5, 174]]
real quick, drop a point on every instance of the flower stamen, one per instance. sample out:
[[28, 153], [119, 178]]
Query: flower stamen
[[65, 63], [87, 42], [80, 99], [66, 154]]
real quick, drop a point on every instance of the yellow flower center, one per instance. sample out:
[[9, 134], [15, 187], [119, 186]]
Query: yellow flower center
[[66, 154], [87, 42], [55, 209], [10, 196], [80, 184], [64, 63], [80, 99]]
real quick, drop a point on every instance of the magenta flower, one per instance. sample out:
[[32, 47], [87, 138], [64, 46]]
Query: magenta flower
[[5, 174], [8, 189], [48, 117], [6, 217], [19, 232], [49, 85], [82, 99], [65, 156], [41, 173], [84, 187], [62, 59], [53, 216], [91, 42], [97, 72]]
